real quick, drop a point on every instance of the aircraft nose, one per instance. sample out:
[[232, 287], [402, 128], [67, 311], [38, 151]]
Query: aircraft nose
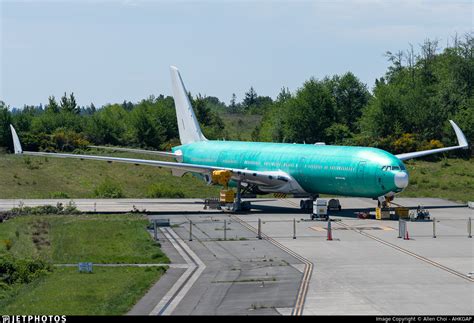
[[401, 179]]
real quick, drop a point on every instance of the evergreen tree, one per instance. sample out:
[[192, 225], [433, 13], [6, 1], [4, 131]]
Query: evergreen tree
[[233, 107], [73, 107], [5, 121], [64, 103], [284, 95], [52, 106], [250, 98]]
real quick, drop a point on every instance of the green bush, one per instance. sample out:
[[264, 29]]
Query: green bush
[[406, 143], [158, 190], [108, 189], [68, 140], [44, 209], [21, 271]]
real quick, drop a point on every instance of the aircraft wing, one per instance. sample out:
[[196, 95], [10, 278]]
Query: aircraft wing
[[462, 144], [140, 151], [274, 179]]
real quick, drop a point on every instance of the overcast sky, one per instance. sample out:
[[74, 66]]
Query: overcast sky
[[110, 51]]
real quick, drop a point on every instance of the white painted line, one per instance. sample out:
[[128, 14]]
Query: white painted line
[[200, 268], [187, 248], [182, 286], [168, 298]]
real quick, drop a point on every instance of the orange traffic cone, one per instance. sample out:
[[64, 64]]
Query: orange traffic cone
[[329, 230]]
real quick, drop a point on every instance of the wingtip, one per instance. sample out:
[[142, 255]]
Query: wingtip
[[462, 141], [173, 68], [16, 141]]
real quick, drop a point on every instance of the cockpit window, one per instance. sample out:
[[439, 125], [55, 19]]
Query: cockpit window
[[388, 168]]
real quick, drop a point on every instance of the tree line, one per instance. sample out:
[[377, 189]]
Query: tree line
[[407, 110]]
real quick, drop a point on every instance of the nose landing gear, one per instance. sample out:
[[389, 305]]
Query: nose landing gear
[[384, 201]]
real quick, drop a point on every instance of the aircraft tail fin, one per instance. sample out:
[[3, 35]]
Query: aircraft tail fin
[[188, 126]]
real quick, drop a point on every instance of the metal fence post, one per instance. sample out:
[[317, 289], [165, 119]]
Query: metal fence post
[[403, 229], [294, 228], [434, 227], [154, 230], [469, 228], [259, 229], [190, 230], [225, 230], [399, 228]]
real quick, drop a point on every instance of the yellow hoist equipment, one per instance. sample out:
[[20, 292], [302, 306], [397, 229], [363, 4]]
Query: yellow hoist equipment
[[222, 177]]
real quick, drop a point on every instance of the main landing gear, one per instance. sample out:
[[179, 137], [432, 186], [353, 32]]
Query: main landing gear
[[238, 199]]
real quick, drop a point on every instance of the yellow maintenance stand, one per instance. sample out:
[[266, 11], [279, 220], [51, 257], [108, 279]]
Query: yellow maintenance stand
[[227, 196], [382, 212], [402, 212]]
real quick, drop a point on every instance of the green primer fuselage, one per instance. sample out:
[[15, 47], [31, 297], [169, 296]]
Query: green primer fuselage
[[318, 169]]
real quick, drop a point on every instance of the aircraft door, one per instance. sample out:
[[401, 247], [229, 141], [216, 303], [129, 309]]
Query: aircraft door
[[379, 177], [361, 170]]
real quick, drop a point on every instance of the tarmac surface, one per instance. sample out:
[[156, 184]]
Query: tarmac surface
[[240, 276], [365, 269]]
